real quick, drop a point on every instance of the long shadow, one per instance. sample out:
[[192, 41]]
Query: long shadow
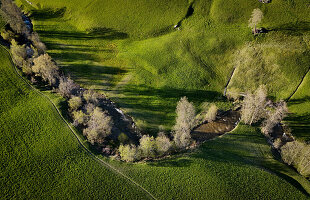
[[48, 13], [293, 28], [96, 33], [299, 101], [300, 125]]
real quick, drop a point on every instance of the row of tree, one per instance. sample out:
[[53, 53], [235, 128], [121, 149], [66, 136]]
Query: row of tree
[[85, 106], [256, 108], [151, 147]]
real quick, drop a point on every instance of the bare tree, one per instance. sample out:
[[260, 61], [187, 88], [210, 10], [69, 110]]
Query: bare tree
[[13, 16], [184, 122], [148, 146], [163, 144], [274, 118], [46, 68], [256, 17], [99, 126], [253, 107], [67, 87]]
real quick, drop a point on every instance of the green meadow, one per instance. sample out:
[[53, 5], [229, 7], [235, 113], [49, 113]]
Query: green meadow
[[40, 157], [130, 52]]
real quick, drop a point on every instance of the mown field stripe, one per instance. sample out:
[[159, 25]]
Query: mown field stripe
[[75, 134]]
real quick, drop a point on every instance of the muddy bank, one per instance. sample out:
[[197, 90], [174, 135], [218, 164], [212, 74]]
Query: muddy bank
[[224, 123]]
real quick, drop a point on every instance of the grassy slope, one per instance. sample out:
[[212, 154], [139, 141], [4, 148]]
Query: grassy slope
[[238, 165], [39, 156], [299, 105], [145, 74]]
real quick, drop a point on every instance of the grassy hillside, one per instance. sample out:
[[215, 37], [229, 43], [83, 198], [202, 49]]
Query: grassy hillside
[[40, 158], [238, 165], [131, 52]]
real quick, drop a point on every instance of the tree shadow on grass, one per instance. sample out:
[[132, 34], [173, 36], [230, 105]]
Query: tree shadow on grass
[[96, 33], [297, 28], [183, 162], [48, 13], [300, 125]]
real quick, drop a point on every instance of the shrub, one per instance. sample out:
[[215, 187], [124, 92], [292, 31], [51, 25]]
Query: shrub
[[79, 117], [211, 114], [75, 103], [163, 144], [129, 153], [148, 146], [123, 138], [18, 52], [297, 154]]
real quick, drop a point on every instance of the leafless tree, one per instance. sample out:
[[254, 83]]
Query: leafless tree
[[67, 87], [211, 114], [257, 16]]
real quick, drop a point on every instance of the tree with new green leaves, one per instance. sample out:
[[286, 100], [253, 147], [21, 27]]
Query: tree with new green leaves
[[148, 146], [129, 153], [75, 103], [256, 18], [79, 117], [211, 114], [46, 68], [18, 52], [163, 144], [253, 106], [99, 126]]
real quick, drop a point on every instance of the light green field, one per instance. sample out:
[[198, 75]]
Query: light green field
[[40, 158], [131, 52]]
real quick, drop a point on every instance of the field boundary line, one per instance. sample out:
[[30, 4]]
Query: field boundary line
[[302, 80], [107, 165]]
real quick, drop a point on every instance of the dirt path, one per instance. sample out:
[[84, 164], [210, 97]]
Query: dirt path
[[231, 75], [115, 170]]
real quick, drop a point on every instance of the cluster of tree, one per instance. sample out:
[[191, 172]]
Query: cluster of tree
[[87, 113], [30, 55], [297, 154], [151, 147], [255, 108]]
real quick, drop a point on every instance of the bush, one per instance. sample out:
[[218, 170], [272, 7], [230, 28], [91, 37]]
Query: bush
[[123, 138], [18, 52], [211, 114], [129, 153], [297, 154], [148, 146], [163, 144], [75, 103], [79, 118]]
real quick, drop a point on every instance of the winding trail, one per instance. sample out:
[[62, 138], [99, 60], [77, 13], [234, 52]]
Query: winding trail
[[102, 162]]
